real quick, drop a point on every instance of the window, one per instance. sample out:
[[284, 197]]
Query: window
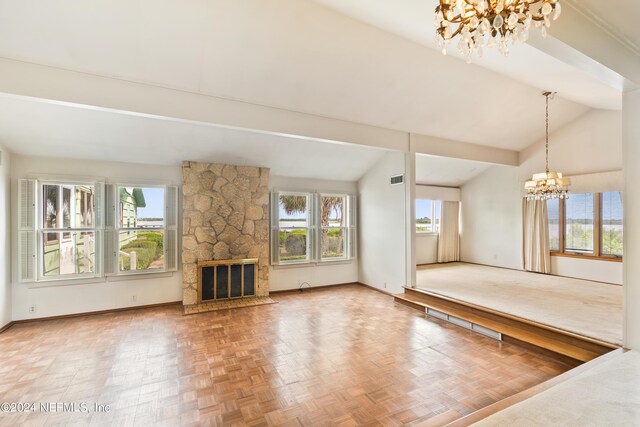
[[588, 224], [312, 227], [333, 220], [66, 230], [72, 230], [294, 234], [611, 219], [428, 216], [579, 221], [141, 228]]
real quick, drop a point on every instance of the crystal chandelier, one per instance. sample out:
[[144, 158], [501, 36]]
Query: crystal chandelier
[[547, 185], [481, 23]]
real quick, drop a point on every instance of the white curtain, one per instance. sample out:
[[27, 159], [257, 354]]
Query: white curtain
[[449, 238], [535, 236]]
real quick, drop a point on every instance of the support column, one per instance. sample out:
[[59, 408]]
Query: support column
[[410, 200], [631, 166]]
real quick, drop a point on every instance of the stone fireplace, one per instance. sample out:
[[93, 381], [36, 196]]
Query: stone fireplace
[[225, 217]]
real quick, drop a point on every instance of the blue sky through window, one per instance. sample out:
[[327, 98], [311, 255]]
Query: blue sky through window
[[423, 209], [154, 198]]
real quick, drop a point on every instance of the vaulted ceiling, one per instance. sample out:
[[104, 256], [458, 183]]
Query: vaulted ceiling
[[413, 20], [447, 172], [362, 61], [618, 17]]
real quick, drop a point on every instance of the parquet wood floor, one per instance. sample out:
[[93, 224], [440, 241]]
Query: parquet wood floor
[[346, 357]]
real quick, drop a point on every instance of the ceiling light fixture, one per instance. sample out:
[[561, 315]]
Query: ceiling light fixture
[[547, 185], [489, 23]]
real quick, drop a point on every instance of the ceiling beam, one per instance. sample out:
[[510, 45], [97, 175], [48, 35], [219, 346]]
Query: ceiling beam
[[92, 91], [50, 84], [580, 41], [423, 144]]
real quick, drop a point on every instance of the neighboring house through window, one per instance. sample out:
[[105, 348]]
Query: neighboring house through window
[[66, 230], [141, 228], [73, 230]]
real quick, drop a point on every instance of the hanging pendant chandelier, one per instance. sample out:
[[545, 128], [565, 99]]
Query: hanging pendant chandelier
[[481, 23], [547, 185]]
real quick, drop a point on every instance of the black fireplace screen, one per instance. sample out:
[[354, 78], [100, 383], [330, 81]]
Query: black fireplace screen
[[220, 280]]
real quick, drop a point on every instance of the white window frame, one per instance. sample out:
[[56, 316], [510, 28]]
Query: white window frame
[[169, 226], [275, 231], [597, 232], [314, 228], [96, 229], [30, 231], [345, 227], [433, 217]]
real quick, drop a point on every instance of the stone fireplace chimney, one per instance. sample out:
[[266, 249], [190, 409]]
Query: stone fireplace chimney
[[225, 216]]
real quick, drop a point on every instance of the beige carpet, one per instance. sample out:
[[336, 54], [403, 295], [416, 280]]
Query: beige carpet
[[587, 308], [606, 395]]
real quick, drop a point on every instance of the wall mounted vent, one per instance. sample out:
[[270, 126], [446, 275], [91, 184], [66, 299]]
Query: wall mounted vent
[[397, 179]]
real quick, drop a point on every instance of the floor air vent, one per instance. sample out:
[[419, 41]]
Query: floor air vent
[[464, 324]]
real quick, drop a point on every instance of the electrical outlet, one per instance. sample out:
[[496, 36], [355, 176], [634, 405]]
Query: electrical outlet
[[33, 308], [385, 285], [133, 298]]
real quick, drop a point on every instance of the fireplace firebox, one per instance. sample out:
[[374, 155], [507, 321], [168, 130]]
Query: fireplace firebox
[[227, 279]]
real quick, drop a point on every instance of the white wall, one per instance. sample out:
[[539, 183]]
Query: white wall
[[491, 231], [592, 143], [492, 212], [427, 243], [5, 237], [92, 295], [432, 192], [381, 226], [290, 277], [631, 145], [426, 248], [590, 269]]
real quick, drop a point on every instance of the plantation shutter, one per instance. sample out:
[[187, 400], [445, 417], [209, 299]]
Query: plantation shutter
[[314, 226], [98, 214], [171, 233], [109, 206], [275, 235], [99, 204], [109, 244], [27, 230], [352, 222]]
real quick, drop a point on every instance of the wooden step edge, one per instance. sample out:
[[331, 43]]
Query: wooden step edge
[[592, 340], [409, 303], [555, 345], [494, 408]]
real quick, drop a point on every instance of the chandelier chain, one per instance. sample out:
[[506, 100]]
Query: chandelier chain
[[546, 124], [547, 185]]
